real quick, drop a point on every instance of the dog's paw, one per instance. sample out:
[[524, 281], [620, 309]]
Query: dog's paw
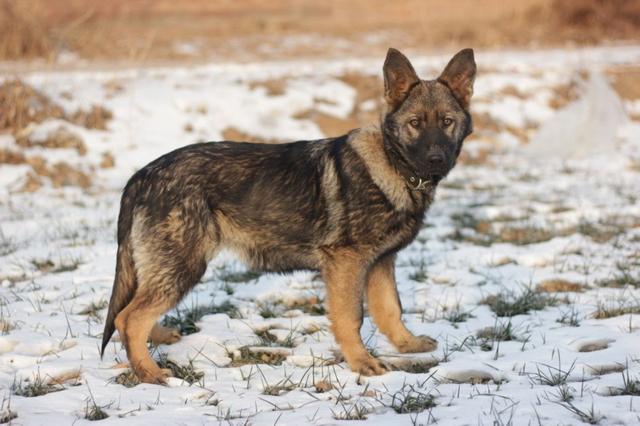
[[368, 366], [155, 376], [419, 344]]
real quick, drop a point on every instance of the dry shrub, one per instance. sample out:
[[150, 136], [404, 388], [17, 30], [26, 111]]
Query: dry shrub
[[23, 32], [59, 138], [594, 20], [22, 104], [95, 118], [8, 156], [107, 161]]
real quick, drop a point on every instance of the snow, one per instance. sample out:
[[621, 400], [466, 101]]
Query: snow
[[52, 317]]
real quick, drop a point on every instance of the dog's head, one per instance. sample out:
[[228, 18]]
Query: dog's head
[[426, 121]]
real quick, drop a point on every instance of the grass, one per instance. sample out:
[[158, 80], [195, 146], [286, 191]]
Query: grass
[[185, 320], [630, 386], [6, 414], [236, 277], [92, 411], [49, 266], [188, 373], [509, 303], [7, 244], [615, 308], [356, 411], [32, 388], [626, 275], [94, 308], [412, 402], [570, 317], [313, 305], [420, 274], [456, 314], [587, 416], [248, 355], [128, 379], [487, 337], [552, 376]]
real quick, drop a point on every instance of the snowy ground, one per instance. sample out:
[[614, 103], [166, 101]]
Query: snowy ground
[[501, 231]]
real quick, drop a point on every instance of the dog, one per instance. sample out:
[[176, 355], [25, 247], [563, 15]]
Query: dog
[[342, 206]]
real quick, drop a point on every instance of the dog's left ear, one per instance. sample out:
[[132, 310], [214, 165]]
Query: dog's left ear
[[459, 75], [399, 78]]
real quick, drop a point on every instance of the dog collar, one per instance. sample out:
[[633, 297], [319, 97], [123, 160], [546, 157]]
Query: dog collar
[[415, 182]]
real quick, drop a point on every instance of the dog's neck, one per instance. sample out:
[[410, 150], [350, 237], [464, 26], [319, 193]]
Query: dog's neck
[[386, 172]]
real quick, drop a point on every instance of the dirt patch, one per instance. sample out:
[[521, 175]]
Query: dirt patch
[[233, 134], [625, 81], [274, 87], [328, 124]]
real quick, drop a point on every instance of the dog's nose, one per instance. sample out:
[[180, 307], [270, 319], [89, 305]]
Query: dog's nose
[[435, 159]]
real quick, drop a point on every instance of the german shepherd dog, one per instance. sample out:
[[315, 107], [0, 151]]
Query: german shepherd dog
[[342, 206]]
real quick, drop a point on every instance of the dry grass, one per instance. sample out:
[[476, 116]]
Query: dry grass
[[22, 105], [59, 138], [141, 30], [558, 286]]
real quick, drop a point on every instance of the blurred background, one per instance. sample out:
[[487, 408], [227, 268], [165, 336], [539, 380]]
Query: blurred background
[[160, 30]]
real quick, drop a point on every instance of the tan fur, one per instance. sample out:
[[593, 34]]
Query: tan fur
[[368, 144], [386, 311], [134, 325], [344, 275], [342, 206]]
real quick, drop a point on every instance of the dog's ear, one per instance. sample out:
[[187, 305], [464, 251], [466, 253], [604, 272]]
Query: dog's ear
[[399, 78], [459, 75]]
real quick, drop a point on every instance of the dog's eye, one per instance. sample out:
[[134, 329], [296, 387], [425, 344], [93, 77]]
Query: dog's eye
[[414, 123], [447, 122]]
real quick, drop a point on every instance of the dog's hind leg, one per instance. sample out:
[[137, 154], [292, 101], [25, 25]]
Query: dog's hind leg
[[134, 323], [170, 257], [386, 311], [344, 276]]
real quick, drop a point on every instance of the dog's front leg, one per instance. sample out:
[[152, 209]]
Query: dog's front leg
[[385, 308], [345, 275]]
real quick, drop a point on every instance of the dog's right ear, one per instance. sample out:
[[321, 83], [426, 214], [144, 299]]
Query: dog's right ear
[[399, 78]]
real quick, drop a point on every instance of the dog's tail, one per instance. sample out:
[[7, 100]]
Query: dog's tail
[[125, 281]]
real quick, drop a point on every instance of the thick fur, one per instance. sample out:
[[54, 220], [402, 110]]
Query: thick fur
[[342, 206]]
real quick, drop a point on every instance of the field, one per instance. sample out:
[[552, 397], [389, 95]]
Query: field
[[527, 271]]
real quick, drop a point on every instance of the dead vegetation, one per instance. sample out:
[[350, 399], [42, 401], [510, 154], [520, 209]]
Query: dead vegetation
[[141, 31], [558, 285], [23, 107]]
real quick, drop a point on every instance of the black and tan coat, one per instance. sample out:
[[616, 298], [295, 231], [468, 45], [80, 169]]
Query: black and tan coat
[[343, 206]]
